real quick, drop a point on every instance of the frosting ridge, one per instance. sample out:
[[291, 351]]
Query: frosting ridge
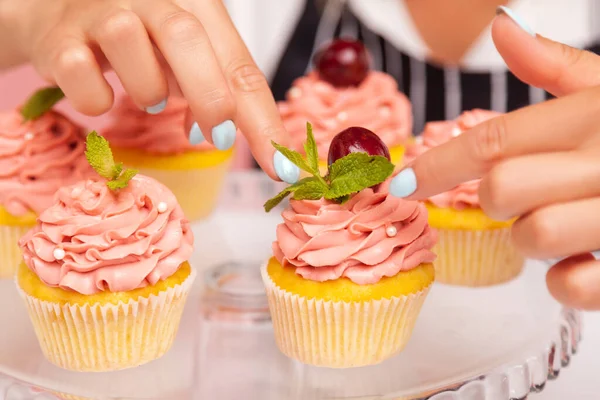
[[110, 241], [327, 241], [38, 157], [375, 104]]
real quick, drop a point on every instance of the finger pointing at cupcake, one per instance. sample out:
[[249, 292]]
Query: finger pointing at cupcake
[[539, 164]]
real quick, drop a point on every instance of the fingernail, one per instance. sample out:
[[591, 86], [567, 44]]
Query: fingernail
[[516, 19], [196, 136], [404, 184], [157, 108], [223, 135], [286, 170]]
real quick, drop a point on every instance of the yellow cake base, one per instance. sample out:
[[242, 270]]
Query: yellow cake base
[[12, 228], [473, 249], [195, 178], [341, 334], [111, 331]]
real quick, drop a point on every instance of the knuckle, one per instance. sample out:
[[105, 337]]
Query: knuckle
[[544, 237], [489, 143], [72, 59], [181, 27], [494, 191], [216, 98], [119, 25], [246, 77]]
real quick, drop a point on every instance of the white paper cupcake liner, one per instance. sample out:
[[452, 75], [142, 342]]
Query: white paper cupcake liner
[[340, 334], [476, 258], [10, 253], [107, 337]]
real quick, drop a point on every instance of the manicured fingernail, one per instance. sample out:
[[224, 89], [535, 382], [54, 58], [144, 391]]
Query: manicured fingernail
[[286, 170], [223, 135], [196, 136], [404, 184], [516, 19], [157, 108]]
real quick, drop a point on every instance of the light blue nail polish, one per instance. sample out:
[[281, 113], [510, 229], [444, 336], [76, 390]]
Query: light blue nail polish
[[157, 108], [223, 135], [286, 170], [516, 18], [196, 136], [404, 184]]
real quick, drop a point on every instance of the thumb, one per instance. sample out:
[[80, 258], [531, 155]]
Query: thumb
[[541, 62]]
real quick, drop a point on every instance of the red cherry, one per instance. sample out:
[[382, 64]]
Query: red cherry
[[342, 63], [356, 140]]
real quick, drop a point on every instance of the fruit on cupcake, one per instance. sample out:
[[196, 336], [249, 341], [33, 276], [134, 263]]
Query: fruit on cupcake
[[342, 62], [347, 175], [356, 140]]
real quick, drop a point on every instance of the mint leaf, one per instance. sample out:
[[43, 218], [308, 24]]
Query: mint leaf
[[311, 189], [122, 181], [294, 157], [310, 147], [41, 102], [100, 157], [273, 202], [117, 169], [355, 172]]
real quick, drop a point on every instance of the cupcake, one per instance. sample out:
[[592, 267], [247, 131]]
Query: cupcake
[[40, 151], [157, 146], [352, 265], [342, 92], [473, 249], [105, 273]]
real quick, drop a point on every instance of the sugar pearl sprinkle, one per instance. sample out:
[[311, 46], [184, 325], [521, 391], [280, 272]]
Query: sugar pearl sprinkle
[[295, 92], [391, 231], [456, 131], [28, 136], [342, 116], [58, 253], [385, 112], [162, 207]]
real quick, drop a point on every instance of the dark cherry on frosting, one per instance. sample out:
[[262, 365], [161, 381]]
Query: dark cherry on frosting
[[356, 140], [342, 63]]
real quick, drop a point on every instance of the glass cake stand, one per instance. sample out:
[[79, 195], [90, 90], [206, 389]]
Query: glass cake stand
[[498, 343]]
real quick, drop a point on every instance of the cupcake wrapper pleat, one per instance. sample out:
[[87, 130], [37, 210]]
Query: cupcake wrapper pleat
[[10, 252], [108, 337], [476, 258], [339, 334]]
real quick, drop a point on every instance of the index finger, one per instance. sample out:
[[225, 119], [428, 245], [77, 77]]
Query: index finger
[[257, 114], [556, 125]]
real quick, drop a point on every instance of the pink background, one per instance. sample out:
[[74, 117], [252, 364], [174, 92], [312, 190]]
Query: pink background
[[17, 84]]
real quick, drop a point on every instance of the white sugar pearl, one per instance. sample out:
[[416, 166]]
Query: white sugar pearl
[[456, 131], [342, 116], [28, 136], [419, 140], [58, 253], [385, 112], [295, 92], [391, 231], [162, 207], [76, 192]]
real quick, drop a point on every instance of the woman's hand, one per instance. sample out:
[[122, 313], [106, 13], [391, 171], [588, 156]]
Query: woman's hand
[[540, 164], [157, 48]]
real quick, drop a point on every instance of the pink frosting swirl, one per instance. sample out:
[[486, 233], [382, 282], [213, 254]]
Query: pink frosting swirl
[[376, 105], [326, 241], [111, 241], [464, 195], [163, 133], [37, 158]]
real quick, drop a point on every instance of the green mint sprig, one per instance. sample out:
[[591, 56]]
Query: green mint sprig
[[347, 175], [41, 102], [100, 157]]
